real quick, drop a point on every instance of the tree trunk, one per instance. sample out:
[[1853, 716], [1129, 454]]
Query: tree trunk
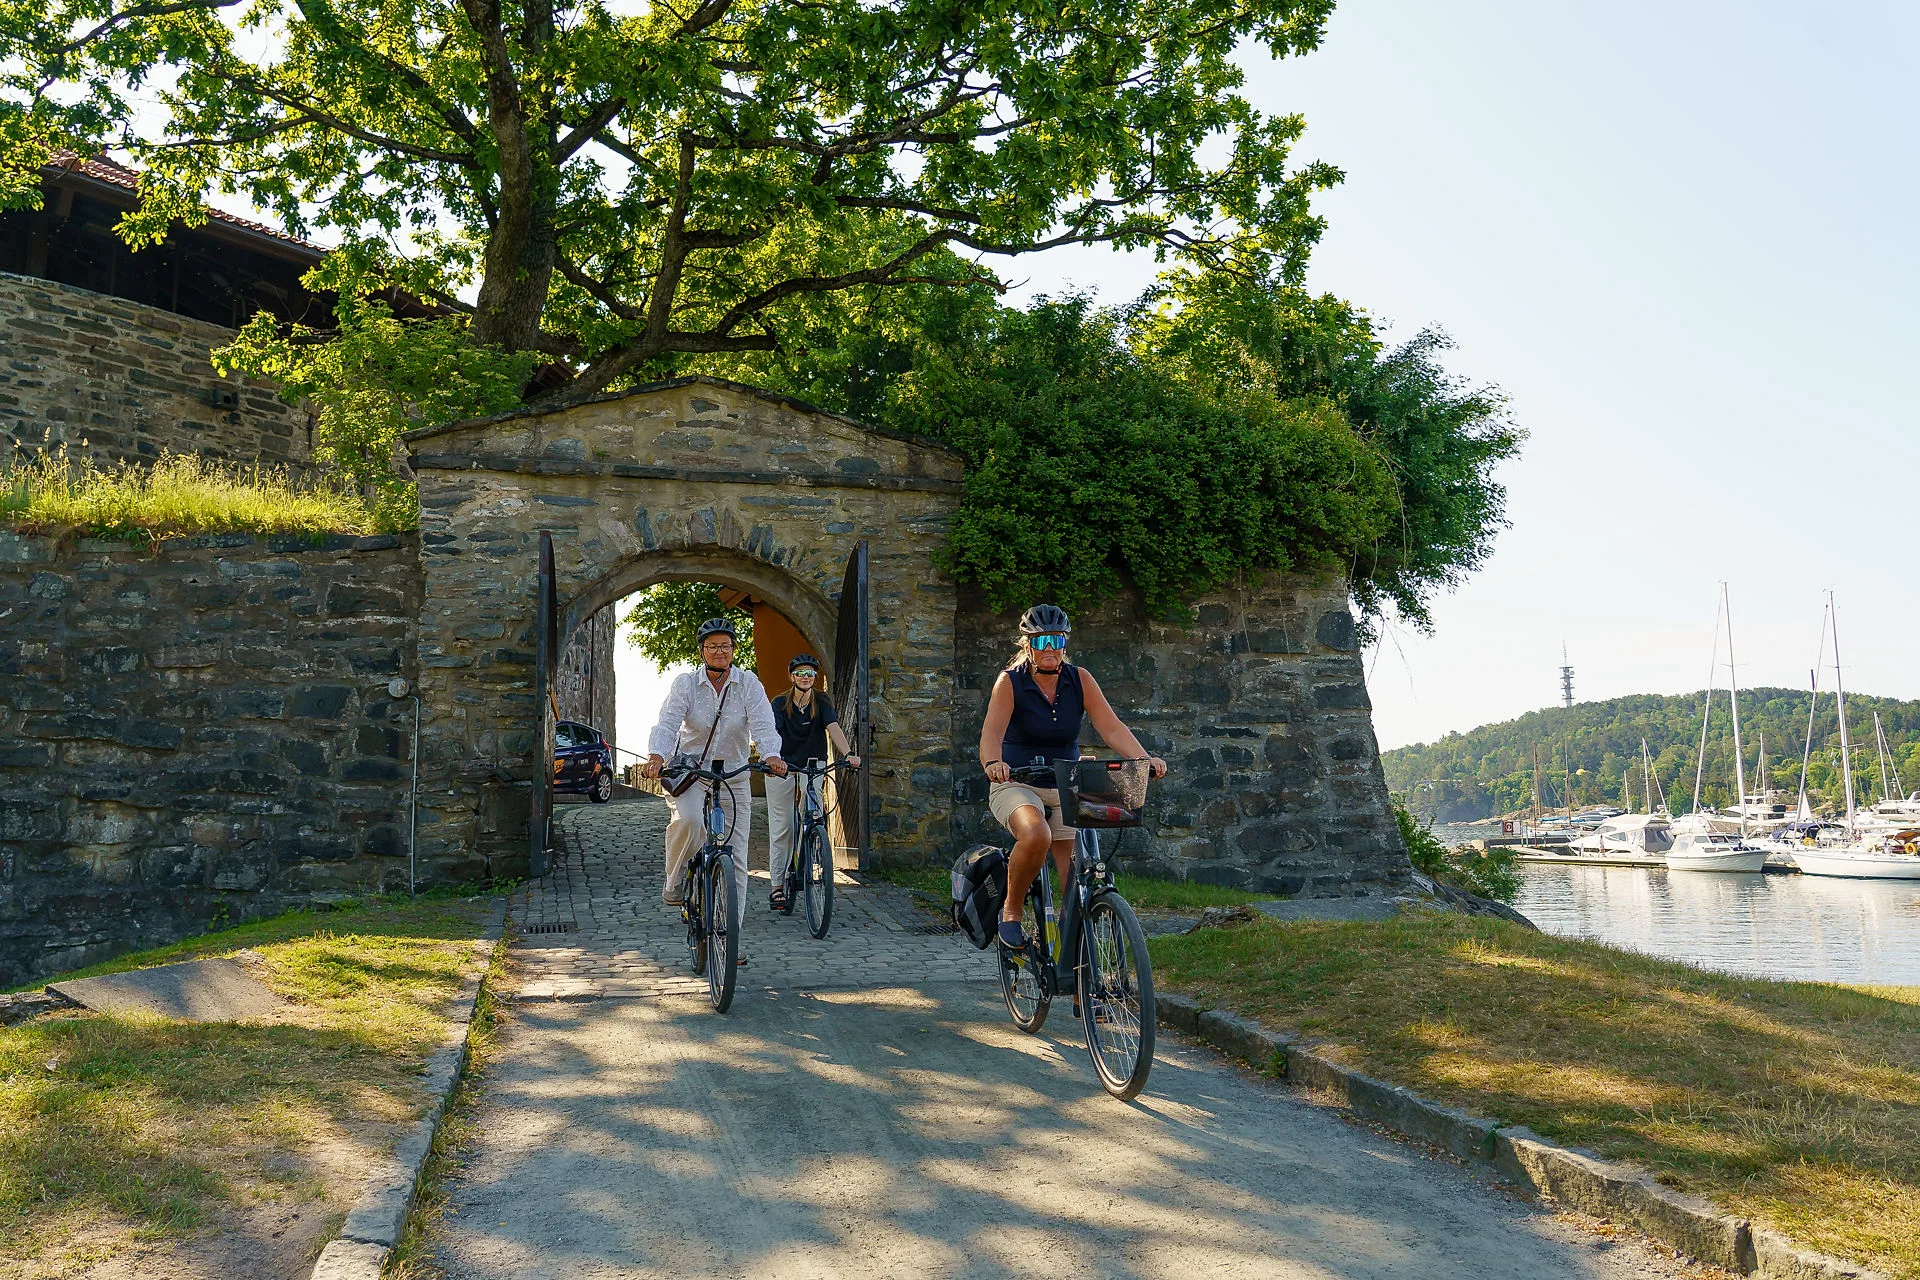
[[521, 248]]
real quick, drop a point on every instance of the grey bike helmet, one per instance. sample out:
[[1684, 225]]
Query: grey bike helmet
[[716, 627], [1045, 619], [803, 660]]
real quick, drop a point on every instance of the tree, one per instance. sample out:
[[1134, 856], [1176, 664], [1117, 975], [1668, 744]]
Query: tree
[[626, 190], [666, 617]]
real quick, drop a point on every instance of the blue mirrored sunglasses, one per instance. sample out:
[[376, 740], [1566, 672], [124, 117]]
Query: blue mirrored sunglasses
[[1048, 642]]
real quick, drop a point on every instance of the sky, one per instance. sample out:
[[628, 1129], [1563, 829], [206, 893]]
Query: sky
[[1679, 237]]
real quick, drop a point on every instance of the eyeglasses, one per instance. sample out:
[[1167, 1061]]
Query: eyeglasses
[[805, 673], [1043, 643]]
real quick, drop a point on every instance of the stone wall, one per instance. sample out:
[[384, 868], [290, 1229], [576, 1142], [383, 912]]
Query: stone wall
[[196, 734], [694, 480], [128, 381], [1260, 710], [583, 686]]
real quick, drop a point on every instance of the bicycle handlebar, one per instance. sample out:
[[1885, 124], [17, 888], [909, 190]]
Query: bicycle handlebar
[[1043, 775], [814, 768], [717, 775]]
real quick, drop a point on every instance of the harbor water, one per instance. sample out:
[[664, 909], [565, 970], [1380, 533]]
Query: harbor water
[[1792, 927]]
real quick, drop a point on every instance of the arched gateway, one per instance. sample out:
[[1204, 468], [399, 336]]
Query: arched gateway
[[1259, 701], [691, 480]]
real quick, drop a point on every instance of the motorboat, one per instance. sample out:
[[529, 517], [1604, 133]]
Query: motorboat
[[1714, 851], [1626, 840]]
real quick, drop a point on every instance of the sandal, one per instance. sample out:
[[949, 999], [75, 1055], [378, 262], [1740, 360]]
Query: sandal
[[777, 900]]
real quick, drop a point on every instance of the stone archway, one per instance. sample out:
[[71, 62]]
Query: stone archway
[[691, 479]]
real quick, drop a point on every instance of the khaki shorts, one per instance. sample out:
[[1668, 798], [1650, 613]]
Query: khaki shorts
[[1004, 797]]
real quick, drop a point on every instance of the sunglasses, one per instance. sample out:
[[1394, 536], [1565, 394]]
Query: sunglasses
[[1043, 643], [805, 673]]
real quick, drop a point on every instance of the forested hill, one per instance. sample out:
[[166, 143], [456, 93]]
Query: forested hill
[[1489, 770]]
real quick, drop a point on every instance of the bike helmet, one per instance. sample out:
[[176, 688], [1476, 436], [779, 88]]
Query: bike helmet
[[1045, 619], [803, 660], [717, 627]]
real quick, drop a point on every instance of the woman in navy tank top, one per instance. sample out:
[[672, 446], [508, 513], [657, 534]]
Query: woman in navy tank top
[[1034, 717]]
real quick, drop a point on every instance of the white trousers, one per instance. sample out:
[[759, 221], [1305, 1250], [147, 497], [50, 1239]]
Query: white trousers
[[685, 836], [783, 824]]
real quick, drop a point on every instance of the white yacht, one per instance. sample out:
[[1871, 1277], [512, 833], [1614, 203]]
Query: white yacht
[[1714, 851], [1627, 840], [1895, 856], [1874, 854]]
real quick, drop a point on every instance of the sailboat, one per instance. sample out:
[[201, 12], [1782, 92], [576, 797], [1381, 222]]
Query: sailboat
[[1891, 856], [1712, 849]]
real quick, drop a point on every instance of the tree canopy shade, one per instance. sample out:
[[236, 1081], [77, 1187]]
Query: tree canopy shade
[[624, 184]]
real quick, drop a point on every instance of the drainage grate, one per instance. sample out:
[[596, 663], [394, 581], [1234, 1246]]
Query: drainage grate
[[553, 926]]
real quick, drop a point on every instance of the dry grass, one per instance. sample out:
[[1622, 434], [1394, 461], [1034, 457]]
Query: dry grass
[[143, 1127], [1797, 1104], [180, 494]]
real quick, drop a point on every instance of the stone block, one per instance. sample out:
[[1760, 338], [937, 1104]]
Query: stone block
[[318, 701]]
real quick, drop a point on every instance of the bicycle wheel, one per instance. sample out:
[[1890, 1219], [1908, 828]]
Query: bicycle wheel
[[697, 919], [816, 869], [1020, 983], [723, 927], [1116, 1007]]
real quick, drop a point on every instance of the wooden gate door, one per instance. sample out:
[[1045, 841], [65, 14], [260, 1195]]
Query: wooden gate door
[[545, 654], [852, 790]]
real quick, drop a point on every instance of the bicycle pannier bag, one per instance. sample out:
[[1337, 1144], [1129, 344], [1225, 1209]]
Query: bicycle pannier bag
[[676, 778], [1101, 793], [979, 888]]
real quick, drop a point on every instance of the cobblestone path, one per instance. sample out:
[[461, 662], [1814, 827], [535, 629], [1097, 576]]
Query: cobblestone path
[[596, 928]]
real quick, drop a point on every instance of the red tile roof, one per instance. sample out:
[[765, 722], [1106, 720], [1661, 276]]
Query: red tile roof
[[118, 175]]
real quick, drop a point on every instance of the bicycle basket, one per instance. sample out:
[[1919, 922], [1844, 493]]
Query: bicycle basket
[[1101, 793]]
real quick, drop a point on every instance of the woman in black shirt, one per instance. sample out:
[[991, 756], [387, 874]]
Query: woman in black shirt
[[807, 722]]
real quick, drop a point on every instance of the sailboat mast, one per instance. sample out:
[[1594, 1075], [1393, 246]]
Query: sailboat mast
[[1805, 810], [1646, 774], [1880, 745], [1706, 713], [1733, 698], [1840, 703]]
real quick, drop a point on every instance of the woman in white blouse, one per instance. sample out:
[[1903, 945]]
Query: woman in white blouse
[[687, 724]]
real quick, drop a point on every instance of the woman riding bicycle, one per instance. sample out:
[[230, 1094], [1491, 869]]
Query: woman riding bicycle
[[807, 722], [1034, 716]]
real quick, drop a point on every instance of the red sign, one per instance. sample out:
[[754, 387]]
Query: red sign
[[1506, 827]]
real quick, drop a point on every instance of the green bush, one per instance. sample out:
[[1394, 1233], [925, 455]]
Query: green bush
[[1489, 874]]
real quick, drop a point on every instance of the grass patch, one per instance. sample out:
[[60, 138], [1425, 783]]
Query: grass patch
[[181, 494], [1144, 893], [1797, 1104], [146, 1124]]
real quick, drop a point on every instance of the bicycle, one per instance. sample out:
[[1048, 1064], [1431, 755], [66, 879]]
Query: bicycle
[[810, 869], [1111, 973], [712, 913]]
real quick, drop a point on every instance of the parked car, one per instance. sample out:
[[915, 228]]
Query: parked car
[[582, 762]]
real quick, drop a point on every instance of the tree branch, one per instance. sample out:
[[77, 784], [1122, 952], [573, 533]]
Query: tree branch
[[586, 131], [314, 115]]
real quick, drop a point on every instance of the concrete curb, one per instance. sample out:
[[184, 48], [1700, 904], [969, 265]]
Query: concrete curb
[[380, 1215], [1621, 1192]]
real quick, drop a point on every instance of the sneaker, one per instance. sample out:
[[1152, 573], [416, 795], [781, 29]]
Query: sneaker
[[1012, 936]]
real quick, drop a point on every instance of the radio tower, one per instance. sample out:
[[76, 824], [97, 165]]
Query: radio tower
[[1566, 678]]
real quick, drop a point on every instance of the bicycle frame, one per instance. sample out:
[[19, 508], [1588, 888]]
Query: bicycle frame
[[1088, 878]]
